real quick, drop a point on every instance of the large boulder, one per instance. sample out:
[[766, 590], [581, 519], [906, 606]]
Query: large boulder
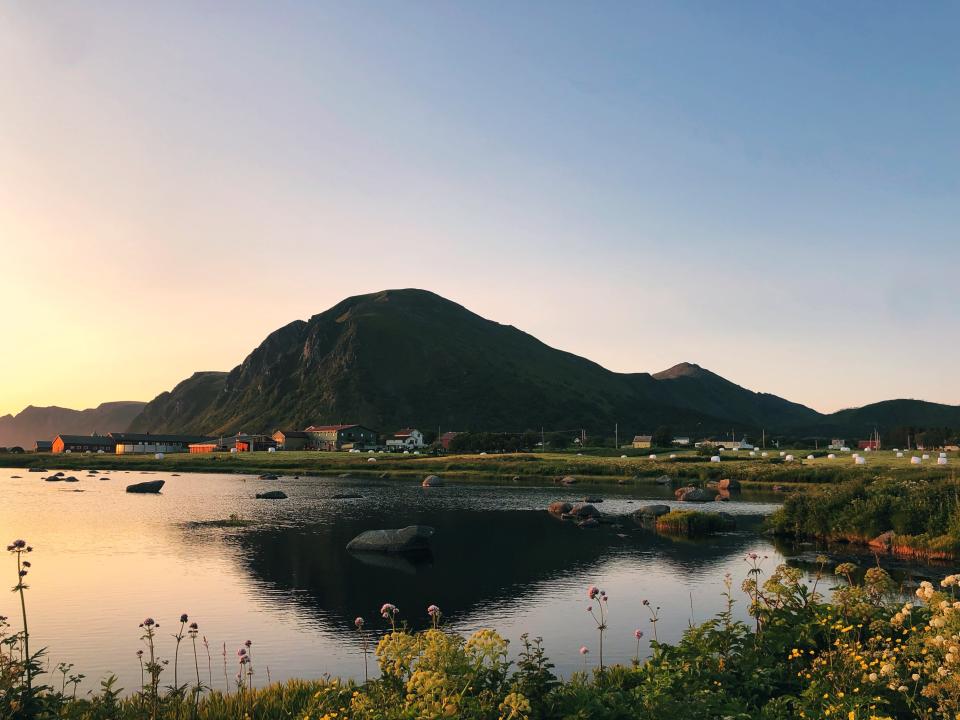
[[269, 476], [584, 510], [729, 484], [412, 538], [653, 510], [696, 495], [151, 486], [432, 481], [559, 507], [272, 495]]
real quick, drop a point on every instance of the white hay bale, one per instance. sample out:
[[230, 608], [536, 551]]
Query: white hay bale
[[915, 460], [371, 459], [844, 449], [652, 456], [809, 457], [831, 456], [623, 457], [899, 454], [860, 460], [943, 454], [158, 456], [271, 449], [866, 449], [673, 456], [715, 458], [752, 454], [926, 456], [788, 458], [942, 461], [782, 454]]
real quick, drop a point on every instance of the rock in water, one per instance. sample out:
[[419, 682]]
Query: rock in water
[[151, 486], [584, 510], [569, 480], [729, 484], [696, 495], [559, 507], [652, 510], [272, 495], [431, 481], [663, 480], [412, 538]]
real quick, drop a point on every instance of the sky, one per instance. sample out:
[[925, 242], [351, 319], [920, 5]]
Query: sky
[[767, 189]]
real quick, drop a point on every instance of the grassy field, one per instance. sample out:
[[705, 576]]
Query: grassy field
[[602, 466]]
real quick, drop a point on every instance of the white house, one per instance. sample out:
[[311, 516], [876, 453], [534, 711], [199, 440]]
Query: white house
[[406, 439]]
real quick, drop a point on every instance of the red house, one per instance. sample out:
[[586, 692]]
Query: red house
[[869, 444]]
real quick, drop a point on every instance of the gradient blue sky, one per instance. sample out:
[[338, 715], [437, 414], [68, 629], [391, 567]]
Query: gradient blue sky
[[767, 189]]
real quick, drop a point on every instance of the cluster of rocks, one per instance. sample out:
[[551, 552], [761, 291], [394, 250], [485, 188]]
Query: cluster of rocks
[[584, 514], [272, 495]]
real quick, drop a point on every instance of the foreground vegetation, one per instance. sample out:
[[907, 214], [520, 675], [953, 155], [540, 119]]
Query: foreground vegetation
[[864, 654], [598, 466]]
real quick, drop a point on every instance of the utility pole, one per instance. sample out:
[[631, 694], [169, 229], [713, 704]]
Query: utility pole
[[616, 435]]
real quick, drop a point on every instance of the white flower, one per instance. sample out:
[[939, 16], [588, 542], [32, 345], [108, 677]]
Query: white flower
[[915, 677]]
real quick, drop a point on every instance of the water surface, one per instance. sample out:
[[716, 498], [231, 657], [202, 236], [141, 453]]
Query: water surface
[[105, 559]]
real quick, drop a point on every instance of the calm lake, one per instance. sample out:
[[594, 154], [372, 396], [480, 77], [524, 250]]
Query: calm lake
[[104, 560]]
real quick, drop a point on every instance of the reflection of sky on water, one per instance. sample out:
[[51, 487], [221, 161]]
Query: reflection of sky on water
[[104, 560]]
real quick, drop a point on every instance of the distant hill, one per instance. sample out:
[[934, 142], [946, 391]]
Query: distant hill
[[859, 422], [410, 357], [44, 423]]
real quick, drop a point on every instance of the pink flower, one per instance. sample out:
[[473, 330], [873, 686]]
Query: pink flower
[[433, 610], [359, 623], [638, 634], [583, 650], [593, 591]]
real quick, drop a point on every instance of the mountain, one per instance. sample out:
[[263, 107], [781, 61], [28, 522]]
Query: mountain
[[44, 423], [410, 357], [860, 422]]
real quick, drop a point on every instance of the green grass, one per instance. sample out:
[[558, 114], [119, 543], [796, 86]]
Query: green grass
[[599, 467], [693, 523]]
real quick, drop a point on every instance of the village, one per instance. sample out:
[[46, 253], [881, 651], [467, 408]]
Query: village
[[350, 437]]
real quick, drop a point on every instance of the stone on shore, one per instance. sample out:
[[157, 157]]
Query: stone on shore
[[559, 507], [431, 481], [272, 495]]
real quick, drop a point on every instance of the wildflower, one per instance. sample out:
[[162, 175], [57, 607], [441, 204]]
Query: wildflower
[[359, 623], [247, 644], [139, 653], [148, 623], [433, 610], [388, 610], [184, 618], [584, 650], [638, 634], [242, 653], [592, 592]]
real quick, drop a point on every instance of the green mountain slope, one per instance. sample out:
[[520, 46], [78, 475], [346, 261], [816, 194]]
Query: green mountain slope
[[410, 357]]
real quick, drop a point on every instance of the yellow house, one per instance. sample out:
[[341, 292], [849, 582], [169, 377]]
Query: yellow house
[[642, 441]]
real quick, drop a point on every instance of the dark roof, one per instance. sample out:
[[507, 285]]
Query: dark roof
[[44, 443], [328, 428], [151, 438], [293, 434], [87, 440]]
